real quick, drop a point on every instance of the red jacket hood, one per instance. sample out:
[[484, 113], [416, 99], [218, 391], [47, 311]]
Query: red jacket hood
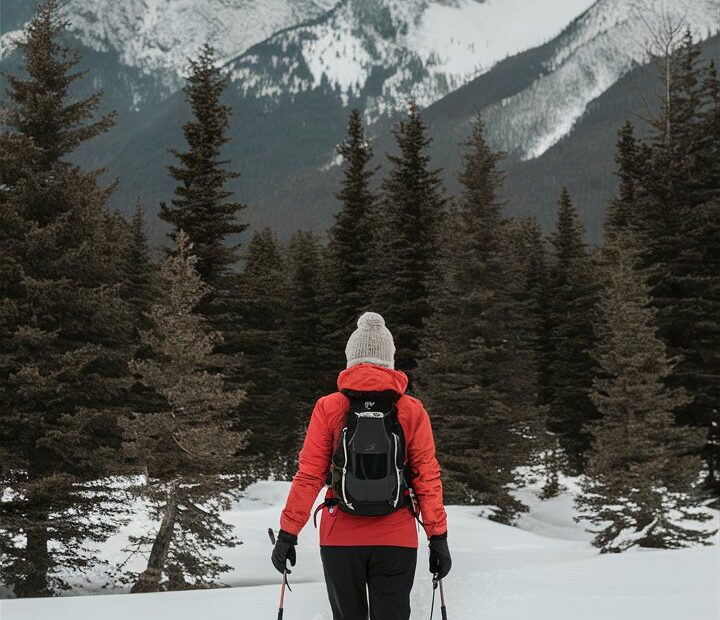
[[372, 378]]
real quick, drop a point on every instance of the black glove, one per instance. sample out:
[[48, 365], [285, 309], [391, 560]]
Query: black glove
[[440, 562], [284, 550]]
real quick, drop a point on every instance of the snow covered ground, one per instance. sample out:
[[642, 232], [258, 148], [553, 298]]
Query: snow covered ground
[[543, 569]]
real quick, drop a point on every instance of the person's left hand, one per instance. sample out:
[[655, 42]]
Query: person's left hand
[[283, 551], [440, 561]]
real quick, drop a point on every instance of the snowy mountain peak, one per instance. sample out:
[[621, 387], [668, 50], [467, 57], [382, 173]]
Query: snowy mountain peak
[[158, 36], [390, 51], [604, 44]]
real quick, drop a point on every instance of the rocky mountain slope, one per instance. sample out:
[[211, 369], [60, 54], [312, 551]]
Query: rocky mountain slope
[[535, 70], [386, 52], [154, 38]]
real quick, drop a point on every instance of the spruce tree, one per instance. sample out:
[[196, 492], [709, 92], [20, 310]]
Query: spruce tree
[[350, 239], [187, 448], [698, 282], [570, 316], [469, 349], [66, 331], [679, 188], [526, 263], [405, 233], [139, 286], [262, 295], [309, 368], [202, 206], [621, 212], [641, 470]]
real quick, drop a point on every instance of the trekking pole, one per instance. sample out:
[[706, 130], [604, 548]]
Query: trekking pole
[[443, 609], [284, 580]]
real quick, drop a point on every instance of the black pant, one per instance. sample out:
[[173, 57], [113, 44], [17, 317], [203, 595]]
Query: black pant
[[385, 574]]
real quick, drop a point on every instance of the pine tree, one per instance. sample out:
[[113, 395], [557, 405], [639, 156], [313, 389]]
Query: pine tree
[[405, 232], [187, 448], [526, 264], [308, 359], [570, 315], [201, 206], [470, 344], [641, 470], [698, 282], [138, 288], [262, 294], [66, 331], [679, 189], [350, 239], [622, 213]]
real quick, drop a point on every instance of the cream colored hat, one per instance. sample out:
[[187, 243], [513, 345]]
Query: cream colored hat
[[371, 343]]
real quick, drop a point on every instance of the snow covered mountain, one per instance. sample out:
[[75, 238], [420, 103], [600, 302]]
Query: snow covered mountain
[[606, 42], [423, 49], [156, 37], [390, 51], [535, 68]]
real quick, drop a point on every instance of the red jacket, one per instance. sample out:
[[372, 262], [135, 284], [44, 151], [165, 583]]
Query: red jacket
[[338, 528]]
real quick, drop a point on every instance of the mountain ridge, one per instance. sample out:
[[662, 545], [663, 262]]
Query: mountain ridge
[[284, 143]]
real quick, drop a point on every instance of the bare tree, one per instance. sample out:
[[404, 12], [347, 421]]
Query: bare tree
[[665, 30]]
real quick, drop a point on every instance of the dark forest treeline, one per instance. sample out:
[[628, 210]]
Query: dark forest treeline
[[194, 374]]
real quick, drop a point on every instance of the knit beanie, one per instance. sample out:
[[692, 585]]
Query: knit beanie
[[371, 343]]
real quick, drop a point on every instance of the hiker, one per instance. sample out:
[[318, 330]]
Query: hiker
[[374, 446]]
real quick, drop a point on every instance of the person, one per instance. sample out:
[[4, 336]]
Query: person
[[368, 561]]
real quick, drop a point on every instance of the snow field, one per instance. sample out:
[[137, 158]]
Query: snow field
[[544, 569]]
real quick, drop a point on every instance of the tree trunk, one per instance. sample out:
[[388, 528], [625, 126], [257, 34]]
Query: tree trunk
[[149, 580], [37, 561]]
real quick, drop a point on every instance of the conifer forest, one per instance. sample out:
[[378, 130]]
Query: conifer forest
[[177, 369]]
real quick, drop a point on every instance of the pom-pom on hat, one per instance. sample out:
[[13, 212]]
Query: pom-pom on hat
[[371, 342]]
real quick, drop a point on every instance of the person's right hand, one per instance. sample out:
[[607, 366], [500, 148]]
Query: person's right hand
[[440, 561], [283, 551]]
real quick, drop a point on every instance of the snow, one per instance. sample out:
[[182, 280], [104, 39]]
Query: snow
[[544, 569], [468, 37], [428, 48], [9, 41], [162, 34], [158, 36], [607, 41]]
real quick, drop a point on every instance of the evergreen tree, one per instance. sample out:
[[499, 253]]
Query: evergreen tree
[[262, 292], [472, 343], [527, 282], [138, 288], [405, 232], [66, 331], [186, 448], [697, 278], [350, 239], [570, 316], [641, 470], [621, 213], [201, 206], [679, 188], [308, 360]]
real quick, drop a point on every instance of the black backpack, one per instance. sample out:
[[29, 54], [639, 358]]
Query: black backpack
[[368, 474]]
